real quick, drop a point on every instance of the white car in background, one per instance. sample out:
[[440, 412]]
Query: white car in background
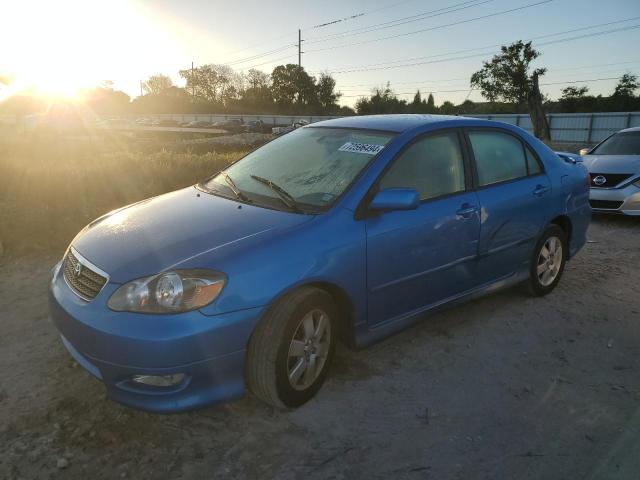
[[614, 167]]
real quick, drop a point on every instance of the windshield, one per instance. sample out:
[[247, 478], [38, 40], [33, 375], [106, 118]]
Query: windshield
[[304, 170], [626, 143]]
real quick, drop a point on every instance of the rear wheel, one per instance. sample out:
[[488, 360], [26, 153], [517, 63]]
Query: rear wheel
[[291, 348], [548, 261]]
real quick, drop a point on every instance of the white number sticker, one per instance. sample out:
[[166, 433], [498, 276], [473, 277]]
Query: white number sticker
[[365, 148]]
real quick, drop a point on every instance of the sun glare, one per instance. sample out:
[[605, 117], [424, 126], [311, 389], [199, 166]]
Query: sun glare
[[57, 49]]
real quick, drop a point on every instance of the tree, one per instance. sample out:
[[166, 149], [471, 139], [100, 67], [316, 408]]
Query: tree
[[213, 83], [105, 99], [573, 93], [257, 79], [327, 96], [627, 85], [431, 104], [292, 87], [536, 111], [257, 94], [382, 100], [506, 78], [448, 108], [157, 84]]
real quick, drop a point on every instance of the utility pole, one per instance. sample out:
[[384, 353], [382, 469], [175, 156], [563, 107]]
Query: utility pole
[[300, 47]]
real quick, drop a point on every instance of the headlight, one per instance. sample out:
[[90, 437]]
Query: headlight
[[637, 183], [169, 292]]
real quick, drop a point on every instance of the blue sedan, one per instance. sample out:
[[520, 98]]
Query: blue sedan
[[344, 230]]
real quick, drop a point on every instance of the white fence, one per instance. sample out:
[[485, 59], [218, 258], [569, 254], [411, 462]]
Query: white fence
[[587, 128], [583, 128]]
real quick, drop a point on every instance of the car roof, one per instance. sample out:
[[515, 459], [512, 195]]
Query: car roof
[[632, 129], [394, 123]]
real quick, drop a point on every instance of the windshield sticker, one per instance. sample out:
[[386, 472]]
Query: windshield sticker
[[365, 148]]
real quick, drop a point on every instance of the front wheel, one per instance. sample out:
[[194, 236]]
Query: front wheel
[[291, 348], [548, 261]]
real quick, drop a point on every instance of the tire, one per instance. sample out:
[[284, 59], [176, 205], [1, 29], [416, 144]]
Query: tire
[[286, 364], [545, 271]]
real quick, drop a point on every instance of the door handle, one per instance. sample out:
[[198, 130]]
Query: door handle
[[466, 210], [540, 190]]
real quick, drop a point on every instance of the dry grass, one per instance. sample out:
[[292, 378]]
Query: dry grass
[[53, 185]]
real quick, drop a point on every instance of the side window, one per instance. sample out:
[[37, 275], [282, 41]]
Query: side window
[[434, 166], [532, 163], [499, 156]]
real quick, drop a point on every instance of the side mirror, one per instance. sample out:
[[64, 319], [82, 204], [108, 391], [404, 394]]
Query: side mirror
[[395, 199], [584, 151]]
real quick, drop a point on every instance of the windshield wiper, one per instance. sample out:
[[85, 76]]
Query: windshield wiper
[[285, 196], [233, 187]]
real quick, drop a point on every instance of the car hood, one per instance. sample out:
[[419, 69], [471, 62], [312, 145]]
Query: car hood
[[161, 233], [612, 163]]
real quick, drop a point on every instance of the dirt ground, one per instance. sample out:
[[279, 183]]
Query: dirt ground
[[504, 387]]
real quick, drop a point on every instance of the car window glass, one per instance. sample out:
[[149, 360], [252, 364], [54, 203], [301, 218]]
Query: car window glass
[[313, 165], [499, 157], [532, 163], [433, 166], [625, 143]]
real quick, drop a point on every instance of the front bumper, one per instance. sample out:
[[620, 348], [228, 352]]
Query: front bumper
[[116, 346], [624, 200]]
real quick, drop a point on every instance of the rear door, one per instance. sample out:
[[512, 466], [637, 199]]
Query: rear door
[[419, 257], [514, 192]]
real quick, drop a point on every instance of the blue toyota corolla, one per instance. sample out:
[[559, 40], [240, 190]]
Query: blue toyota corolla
[[348, 229]]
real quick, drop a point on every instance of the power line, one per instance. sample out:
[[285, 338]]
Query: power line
[[401, 21], [450, 9], [268, 62], [358, 15], [423, 83], [321, 25], [562, 32], [436, 27], [475, 89], [259, 55], [464, 57], [284, 47], [428, 88]]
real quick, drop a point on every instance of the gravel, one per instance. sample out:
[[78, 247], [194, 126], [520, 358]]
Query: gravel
[[505, 387]]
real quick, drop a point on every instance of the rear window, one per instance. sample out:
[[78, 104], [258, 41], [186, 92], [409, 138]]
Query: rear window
[[626, 143]]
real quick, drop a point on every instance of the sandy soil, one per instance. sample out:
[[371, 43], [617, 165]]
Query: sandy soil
[[505, 387]]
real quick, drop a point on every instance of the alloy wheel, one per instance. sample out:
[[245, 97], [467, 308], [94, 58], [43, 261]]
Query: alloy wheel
[[309, 349], [549, 261]]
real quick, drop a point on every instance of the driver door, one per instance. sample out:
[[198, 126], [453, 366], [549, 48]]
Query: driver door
[[416, 258]]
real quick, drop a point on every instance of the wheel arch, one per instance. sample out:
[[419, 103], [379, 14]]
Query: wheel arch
[[564, 222], [344, 304], [345, 307]]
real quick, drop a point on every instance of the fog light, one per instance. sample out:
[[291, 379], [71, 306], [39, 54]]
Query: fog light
[[159, 380]]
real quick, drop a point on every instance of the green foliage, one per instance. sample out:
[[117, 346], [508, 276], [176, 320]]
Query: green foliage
[[573, 93], [382, 100], [157, 84], [327, 95], [627, 85], [506, 76], [293, 88], [39, 210]]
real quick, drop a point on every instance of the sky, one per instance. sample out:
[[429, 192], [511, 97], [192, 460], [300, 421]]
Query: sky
[[433, 46]]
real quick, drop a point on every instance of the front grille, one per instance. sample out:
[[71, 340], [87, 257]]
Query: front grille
[[605, 204], [82, 277], [610, 179]]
